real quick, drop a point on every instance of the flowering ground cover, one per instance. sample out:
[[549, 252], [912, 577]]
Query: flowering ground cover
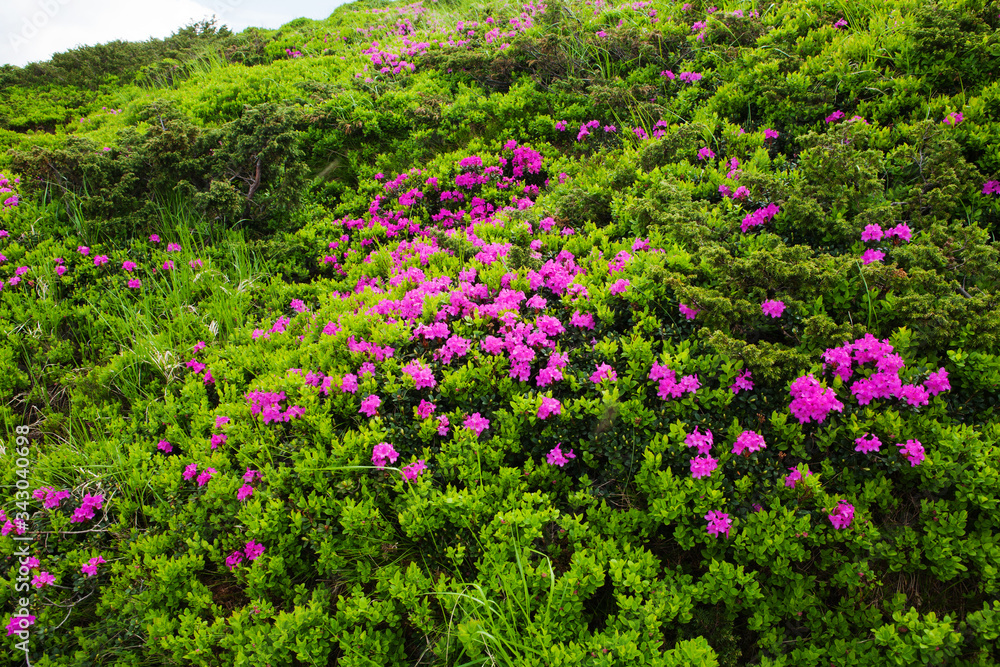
[[453, 334]]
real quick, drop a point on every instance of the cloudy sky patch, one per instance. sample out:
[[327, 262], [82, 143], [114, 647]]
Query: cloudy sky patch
[[32, 30]]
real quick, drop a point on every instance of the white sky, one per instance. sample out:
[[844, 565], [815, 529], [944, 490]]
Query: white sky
[[32, 30]]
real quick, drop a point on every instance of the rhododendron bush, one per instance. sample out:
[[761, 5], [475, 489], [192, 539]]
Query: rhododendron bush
[[476, 335]]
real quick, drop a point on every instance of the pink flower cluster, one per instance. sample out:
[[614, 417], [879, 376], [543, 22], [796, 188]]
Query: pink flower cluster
[[412, 471], [603, 372], [476, 423], [719, 523], [811, 401], [50, 497], [773, 308], [423, 377], [267, 405], [743, 382], [556, 457], [669, 386], [749, 441], [759, 217], [90, 567], [795, 476], [252, 550], [85, 512], [383, 453], [885, 382], [549, 406], [842, 516], [688, 312]]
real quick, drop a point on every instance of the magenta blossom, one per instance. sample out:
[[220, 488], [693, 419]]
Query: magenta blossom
[[702, 466], [549, 406], [872, 255], [749, 441], [702, 441], [476, 423], [412, 471], [244, 492], [842, 516], [795, 476], [913, 451], [866, 446], [370, 405], [688, 312], [603, 372], [384, 453], [744, 381], [425, 409], [90, 567], [706, 153], [773, 308], [253, 550], [770, 134], [556, 457], [718, 523], [872, 233]]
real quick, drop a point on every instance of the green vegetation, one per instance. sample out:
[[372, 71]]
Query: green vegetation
[[459, 333]]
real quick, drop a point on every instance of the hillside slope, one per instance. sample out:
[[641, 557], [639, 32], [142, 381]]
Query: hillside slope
[[457, 333]]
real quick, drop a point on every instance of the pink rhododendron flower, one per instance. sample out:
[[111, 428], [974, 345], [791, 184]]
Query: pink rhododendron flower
[[835, 116], [872, 233], [190, 471], [866, 446], [703, 441], [556, 457], [423, 377], [937, 382], [603, 372], [218, 439], [706, 153], [770, 134], [234, 559], [811, 401], [128, 265], [719, 523], [383, 453], [83, 250], [743, 381], [795, 476], [43, 579], [153, 238], [872, 255], [702, 466], [688, 312], [582, 320], [412, 471], [902, 230], [370, 405], [173, 247], [443, 425], [549, 406], [425, 409], [749, 441], [619, 286], [205, 476], [842, 516], [244, 492], [90, 567], [773, 308], [954, 118], [913, 451], [476, 423], [253, 550], [100, 260]]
